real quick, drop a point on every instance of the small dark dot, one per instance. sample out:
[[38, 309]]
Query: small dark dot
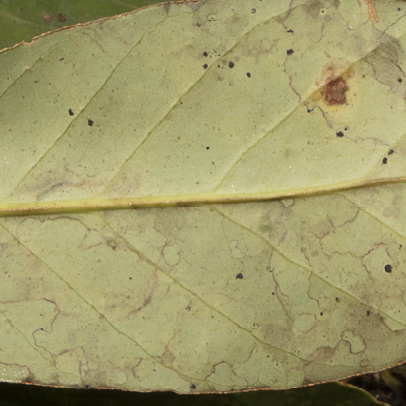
[[207, 148], [337, 299], [290, 52], [248, 74], [346, 128], [130, 278], [290, 31], [205, 66], [61, 17], [339, 134], [400, 80], [192, 386], [388, 268], [253, 10], [61, 59], [90, 122], [273, 293], [321, 313], [385, 161], [205, 53], [239, 276], [71, 113], [391, 151], [368, 312], [231, 65]]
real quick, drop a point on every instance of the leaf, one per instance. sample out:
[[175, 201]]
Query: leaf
[[235, 291], [21, 20]]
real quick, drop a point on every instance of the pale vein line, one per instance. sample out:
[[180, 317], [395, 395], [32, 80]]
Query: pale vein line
[[29, 343], [289, 114], [370, 214], [47, 151], [29, 68], [379, 164], [204, 302], [185, 93], [307, 270], [103, 316]]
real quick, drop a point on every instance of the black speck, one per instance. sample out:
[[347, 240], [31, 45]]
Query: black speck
[[346, 128], [231, 65], [273, 293], [192, 386], [337, 299], [130, 278], [399, 9], [391, 151], [388, 268], [207, 148], [339, 134], [205, 66], [248, 74], [90, 122], [71, 113], [253, 10], [368, 312], [400, 80], [61, 59], [290, 31], [289, 52], [205, 53], [239, 276], [385, 161], [321, 313]]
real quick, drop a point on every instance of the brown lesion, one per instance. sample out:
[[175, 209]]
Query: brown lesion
[[334, 92], [372, 11]]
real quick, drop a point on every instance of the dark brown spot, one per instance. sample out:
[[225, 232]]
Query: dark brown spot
[[205, 66], [335, 92], [391, 151], [368, 312], [253, 10], [205, 53], [239, 276], [192, 386], [339, 134], [248, 75], [61, 17], [385, 161], [231, 65], [289, 52], [290, 31], [90, 122], [388, 268], [71, 113]]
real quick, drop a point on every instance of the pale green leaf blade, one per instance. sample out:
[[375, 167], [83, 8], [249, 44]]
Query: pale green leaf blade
[[171, 124], [215, 297], [212, 298]]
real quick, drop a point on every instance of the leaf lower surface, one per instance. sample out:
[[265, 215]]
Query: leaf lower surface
[[225, 105]]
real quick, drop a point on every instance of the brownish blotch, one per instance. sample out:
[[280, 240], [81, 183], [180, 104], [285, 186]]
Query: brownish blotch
[[334, 92]]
